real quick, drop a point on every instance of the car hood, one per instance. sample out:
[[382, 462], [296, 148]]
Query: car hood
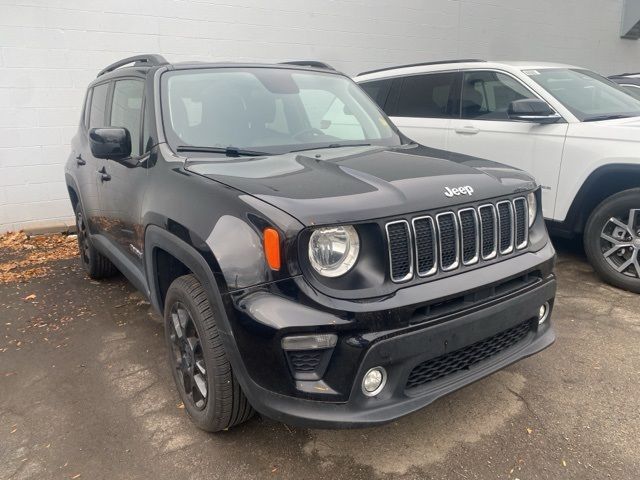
[[352, 184], [622, 129]]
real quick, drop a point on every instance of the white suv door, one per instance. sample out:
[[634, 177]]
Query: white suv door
[[484, 130]]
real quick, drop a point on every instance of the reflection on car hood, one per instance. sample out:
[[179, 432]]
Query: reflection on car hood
[[622, 129], [353, 184]]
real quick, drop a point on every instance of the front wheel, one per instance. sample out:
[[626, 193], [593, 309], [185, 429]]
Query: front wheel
[[206, 384], [612, 239]]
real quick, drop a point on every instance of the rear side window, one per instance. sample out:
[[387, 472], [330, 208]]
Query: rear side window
[[487, 95], [98, 102], [378, 90], [126, 109], [429, 96]]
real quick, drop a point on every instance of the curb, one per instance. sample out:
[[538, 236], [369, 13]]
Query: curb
[[49, 227]]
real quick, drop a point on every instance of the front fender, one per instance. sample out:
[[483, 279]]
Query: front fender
[[156, 237]]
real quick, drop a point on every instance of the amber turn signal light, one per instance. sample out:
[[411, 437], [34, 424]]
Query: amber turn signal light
[[271, 240]]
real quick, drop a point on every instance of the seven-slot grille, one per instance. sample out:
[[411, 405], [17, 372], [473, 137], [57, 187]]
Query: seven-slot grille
[[451, 239]]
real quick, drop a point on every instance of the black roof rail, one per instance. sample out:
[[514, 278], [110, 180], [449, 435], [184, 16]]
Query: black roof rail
[[146, 60], [626, 74], [309, 63], [463, 60]]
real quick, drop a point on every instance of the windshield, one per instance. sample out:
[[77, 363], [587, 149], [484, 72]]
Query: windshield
[[272, 110], [586, 94]]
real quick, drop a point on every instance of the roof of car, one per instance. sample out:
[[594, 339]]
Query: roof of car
[[142, 64], [312, 65], [459, 64]]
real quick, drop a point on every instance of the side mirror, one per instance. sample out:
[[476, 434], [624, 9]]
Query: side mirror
[[112, 143], [532, 110]]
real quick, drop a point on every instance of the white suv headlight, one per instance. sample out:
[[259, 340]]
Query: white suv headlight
[[533, 207], [334, 250]]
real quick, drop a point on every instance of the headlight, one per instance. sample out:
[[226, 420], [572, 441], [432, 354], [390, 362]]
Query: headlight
[[533, 207], [334, 250]]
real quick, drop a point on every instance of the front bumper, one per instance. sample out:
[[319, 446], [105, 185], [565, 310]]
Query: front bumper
[[336, 399]]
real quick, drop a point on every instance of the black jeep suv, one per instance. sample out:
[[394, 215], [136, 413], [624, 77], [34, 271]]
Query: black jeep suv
[[312, 263]]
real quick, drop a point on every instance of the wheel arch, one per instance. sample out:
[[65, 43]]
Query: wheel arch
[[601, 183], [209, 276], [73, 190], [162, 249]]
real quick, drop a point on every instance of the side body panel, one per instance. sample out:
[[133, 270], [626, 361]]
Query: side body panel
[[122, 186], [81, 166], [534, 148], [590, 146]]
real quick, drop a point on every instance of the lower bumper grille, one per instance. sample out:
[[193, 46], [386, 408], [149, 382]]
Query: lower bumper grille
[[305, 360], [466, 357]]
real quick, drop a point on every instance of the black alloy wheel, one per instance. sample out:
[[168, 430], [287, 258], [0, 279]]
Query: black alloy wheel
[[94, 263], [206, 383], [83, 241], [188, 358]]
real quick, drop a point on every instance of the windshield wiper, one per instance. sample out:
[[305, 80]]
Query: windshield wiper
[[228, 151], [605, 117], [333, 145]]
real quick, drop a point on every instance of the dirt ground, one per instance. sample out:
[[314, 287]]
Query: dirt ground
[[85, 393]]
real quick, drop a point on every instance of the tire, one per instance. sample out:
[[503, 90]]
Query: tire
[[94, 263], [195, 350], [612, 242]]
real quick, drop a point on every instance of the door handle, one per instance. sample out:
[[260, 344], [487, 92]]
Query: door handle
[[80, 161], [104, 176], [468, 130]]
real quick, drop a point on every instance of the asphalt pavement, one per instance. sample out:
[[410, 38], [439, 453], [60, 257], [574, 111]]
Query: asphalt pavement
[[86, 393]]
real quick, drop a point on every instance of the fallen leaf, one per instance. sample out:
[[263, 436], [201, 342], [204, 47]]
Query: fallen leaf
[[529, 431], [30, 297], [180, 405], [564, 464]]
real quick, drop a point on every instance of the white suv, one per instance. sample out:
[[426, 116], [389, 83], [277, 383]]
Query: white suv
[[575, 131]]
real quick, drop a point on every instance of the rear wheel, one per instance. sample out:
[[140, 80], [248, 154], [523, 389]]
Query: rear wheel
[[95, 264], [206, 384], [612, 239]]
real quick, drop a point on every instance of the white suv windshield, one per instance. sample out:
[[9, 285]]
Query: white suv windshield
[[586, 94], [274, 110]]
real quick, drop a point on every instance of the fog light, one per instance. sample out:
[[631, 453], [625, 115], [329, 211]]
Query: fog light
[[543, 313], [374, 381]]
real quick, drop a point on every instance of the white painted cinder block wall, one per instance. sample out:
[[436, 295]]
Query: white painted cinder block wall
[[51, 49]]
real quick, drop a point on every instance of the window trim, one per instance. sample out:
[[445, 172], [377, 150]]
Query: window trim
[[143, 114], [515, 78], [86, 109]]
